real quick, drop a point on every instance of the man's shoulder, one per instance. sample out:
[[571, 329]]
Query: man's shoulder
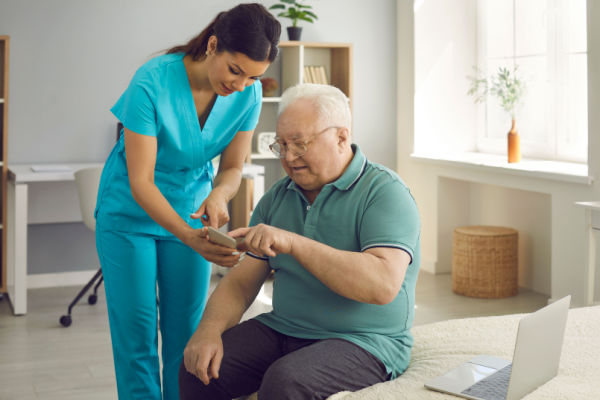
[[278, 190], [377, 175]]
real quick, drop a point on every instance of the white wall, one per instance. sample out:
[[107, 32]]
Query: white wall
[[70, 60], [446, 55], [564, 250]]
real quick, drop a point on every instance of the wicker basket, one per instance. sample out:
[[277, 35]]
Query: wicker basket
[[485, 261]]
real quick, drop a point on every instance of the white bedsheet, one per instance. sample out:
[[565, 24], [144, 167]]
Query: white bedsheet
[[443, 345]]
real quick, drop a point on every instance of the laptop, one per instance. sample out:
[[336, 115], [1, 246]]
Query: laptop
[[535, 361]]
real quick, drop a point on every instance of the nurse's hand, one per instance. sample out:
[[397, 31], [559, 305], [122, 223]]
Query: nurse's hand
[[197, 239], [213, 210]]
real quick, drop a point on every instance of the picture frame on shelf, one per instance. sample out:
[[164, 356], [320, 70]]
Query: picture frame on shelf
[[263, 140]]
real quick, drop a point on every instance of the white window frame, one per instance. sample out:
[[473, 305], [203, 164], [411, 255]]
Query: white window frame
[[556, 145]]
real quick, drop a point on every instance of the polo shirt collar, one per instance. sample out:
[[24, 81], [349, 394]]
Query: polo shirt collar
[[352, 173]]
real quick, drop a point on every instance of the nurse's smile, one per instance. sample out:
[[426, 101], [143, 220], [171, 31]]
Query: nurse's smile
[[226, 90]]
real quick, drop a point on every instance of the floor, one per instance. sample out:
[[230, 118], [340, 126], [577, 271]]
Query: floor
[[40, 359]]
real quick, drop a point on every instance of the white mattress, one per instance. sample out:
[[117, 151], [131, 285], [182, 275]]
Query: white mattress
[[443, 345]]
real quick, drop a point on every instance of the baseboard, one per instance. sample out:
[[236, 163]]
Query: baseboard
[[428, 266], [74, 278]]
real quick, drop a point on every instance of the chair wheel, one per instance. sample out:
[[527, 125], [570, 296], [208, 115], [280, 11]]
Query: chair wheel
[[65, 320], [92, 299]]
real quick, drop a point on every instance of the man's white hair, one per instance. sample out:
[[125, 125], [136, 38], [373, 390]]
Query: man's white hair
[[330, 102]]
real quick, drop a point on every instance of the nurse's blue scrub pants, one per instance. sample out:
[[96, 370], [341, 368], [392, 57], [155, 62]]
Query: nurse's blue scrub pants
[[132, 264]]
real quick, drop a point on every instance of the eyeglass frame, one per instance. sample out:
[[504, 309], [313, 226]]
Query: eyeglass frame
[[301, 144]]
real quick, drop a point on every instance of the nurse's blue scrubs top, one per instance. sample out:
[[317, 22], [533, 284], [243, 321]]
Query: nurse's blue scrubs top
[[159, 103]]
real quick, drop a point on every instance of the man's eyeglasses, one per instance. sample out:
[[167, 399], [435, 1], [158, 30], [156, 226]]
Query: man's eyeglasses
[[298, 148]]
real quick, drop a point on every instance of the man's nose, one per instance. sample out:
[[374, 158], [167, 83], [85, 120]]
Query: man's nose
[[289, 155]]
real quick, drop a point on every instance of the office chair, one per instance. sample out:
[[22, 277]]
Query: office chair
[[87, 181]]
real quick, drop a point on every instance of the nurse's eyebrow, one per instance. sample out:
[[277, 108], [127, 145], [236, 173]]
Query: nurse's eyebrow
[[242, 71]]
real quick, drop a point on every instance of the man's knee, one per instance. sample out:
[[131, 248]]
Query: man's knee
[[187, 384], [282, 381], [190, 387]]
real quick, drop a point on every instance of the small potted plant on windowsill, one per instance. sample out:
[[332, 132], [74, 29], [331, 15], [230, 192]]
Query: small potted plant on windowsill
[[295, 10], [509, 89]]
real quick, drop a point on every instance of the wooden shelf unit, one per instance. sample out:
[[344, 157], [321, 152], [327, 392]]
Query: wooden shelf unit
[[288, 70], [4, 50]]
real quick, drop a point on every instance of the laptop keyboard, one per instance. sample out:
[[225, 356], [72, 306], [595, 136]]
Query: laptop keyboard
[[493, 387]]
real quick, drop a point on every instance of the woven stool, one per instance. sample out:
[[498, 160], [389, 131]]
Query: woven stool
[[485, 261]]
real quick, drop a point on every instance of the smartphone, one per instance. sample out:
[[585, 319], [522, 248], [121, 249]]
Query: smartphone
[[219, 237]]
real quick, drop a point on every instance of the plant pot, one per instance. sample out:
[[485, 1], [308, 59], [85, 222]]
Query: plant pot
[[514, 145], [294, 32]]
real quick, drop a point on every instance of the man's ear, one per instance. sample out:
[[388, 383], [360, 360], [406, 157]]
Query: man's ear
[[344, 137]]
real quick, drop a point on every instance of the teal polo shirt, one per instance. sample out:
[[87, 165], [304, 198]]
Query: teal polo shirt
[[368, 206], [158, 102]]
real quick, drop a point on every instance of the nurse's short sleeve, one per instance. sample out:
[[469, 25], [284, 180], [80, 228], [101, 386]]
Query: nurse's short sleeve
[[136, 106], [390, 219], [252, 116]]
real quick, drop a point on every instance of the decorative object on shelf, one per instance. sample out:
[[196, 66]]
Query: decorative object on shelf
[[509, 89], [269, 86], [295, 10], [263, 140]]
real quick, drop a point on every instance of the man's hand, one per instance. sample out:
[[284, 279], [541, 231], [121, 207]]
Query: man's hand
[[203, 354], [264, 240]]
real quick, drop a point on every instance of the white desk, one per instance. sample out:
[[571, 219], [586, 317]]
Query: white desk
[[54, 200], [47, 206], [592, 211]]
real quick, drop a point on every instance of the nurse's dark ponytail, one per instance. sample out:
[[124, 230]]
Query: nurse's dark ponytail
[[247, 28]]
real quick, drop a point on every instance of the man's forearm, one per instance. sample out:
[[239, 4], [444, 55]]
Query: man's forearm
[[224, 308], [234, 294]]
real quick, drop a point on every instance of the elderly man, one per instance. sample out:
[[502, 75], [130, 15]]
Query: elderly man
[[342, 236]]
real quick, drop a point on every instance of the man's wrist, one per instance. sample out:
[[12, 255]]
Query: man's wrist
[[295, 243], [210, 327]]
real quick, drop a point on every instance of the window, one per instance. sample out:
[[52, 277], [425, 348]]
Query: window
[[546, 41]]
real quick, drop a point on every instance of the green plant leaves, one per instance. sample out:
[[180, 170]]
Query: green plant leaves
[[505, 85], [295, 11]]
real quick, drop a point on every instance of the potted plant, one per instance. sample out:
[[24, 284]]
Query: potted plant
[[509, 89], [296, 11]]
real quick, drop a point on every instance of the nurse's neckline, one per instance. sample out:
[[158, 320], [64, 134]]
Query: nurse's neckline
[[197, 75]]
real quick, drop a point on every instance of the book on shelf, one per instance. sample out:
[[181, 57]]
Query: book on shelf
[[315, 74], [308, 77], [322, 74]]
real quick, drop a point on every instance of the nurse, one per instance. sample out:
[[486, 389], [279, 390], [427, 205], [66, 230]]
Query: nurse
[[157, 191]]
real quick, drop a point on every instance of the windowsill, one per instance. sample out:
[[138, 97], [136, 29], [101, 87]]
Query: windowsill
[[545, 169]]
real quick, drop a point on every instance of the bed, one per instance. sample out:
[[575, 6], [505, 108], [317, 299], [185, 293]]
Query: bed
[[443, 345]]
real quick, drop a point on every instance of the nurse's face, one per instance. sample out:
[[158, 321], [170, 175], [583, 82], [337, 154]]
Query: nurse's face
[[230, 72]]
